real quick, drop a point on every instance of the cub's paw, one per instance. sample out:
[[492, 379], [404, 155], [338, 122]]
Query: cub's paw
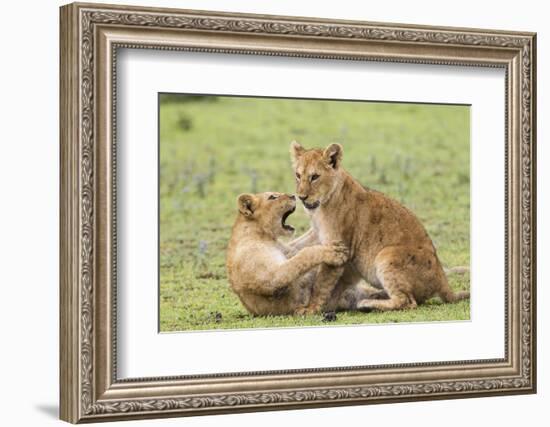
[[337, 254], [365, 306], [300, 311], [310, 309]]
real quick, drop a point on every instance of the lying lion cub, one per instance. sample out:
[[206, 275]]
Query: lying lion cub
[[389, 247], [269, 277]]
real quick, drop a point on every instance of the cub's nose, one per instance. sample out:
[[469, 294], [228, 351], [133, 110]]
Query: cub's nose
[[302, 198], [291, 196]]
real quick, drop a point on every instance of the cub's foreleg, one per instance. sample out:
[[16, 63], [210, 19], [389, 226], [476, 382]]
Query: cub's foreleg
[[308, 258], [309, 238], [292, 270]]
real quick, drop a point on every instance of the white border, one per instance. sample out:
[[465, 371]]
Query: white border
[[142, 352]]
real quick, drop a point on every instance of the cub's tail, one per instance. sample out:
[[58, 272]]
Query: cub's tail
[[449, 295], [446, 293], [456, 270]]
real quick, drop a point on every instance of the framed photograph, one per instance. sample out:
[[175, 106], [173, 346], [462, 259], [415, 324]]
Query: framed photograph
[[266, 212]]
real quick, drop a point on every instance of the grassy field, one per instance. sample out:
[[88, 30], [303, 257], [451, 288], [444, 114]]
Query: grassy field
[[214, 148]]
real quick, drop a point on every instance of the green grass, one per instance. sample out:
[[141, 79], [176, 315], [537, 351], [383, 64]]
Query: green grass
[[214, 148]]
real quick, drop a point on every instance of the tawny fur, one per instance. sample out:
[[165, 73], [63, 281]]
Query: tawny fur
[[270, 277], [389, 247]]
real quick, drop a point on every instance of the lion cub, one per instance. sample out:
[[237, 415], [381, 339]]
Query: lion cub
[[389, 247], [269, 277]]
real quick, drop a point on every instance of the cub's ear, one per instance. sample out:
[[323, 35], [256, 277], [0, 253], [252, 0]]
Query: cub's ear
[[247, 204], [296, 150], [333, 155]]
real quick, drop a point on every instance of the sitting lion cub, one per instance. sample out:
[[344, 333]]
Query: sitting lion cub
[[269, 277], [389, 247]]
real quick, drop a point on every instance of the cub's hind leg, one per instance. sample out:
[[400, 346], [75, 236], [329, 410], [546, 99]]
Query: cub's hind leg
[[399, 290], [396, 270], [351, 289], [326, 281], [345, 294], [397, 301]]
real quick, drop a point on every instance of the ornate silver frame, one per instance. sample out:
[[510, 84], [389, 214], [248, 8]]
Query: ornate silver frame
[[90, 36]]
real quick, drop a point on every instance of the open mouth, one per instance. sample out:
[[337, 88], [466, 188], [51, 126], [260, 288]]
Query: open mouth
[[311, 206], [285, 216]]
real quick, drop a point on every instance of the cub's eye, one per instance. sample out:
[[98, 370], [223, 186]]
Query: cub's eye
[[314, 177], [298, 175], [272, 197]]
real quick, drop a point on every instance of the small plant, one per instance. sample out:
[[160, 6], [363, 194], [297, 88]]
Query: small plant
[[463, 178], [201, 263], [217, 316], [401, 191], [382, 178], [253, 174], [406, 168], [201, 181], [397, 160], [254, 181], [185, 122], [372, 164], [343, 132], [211, 169]]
